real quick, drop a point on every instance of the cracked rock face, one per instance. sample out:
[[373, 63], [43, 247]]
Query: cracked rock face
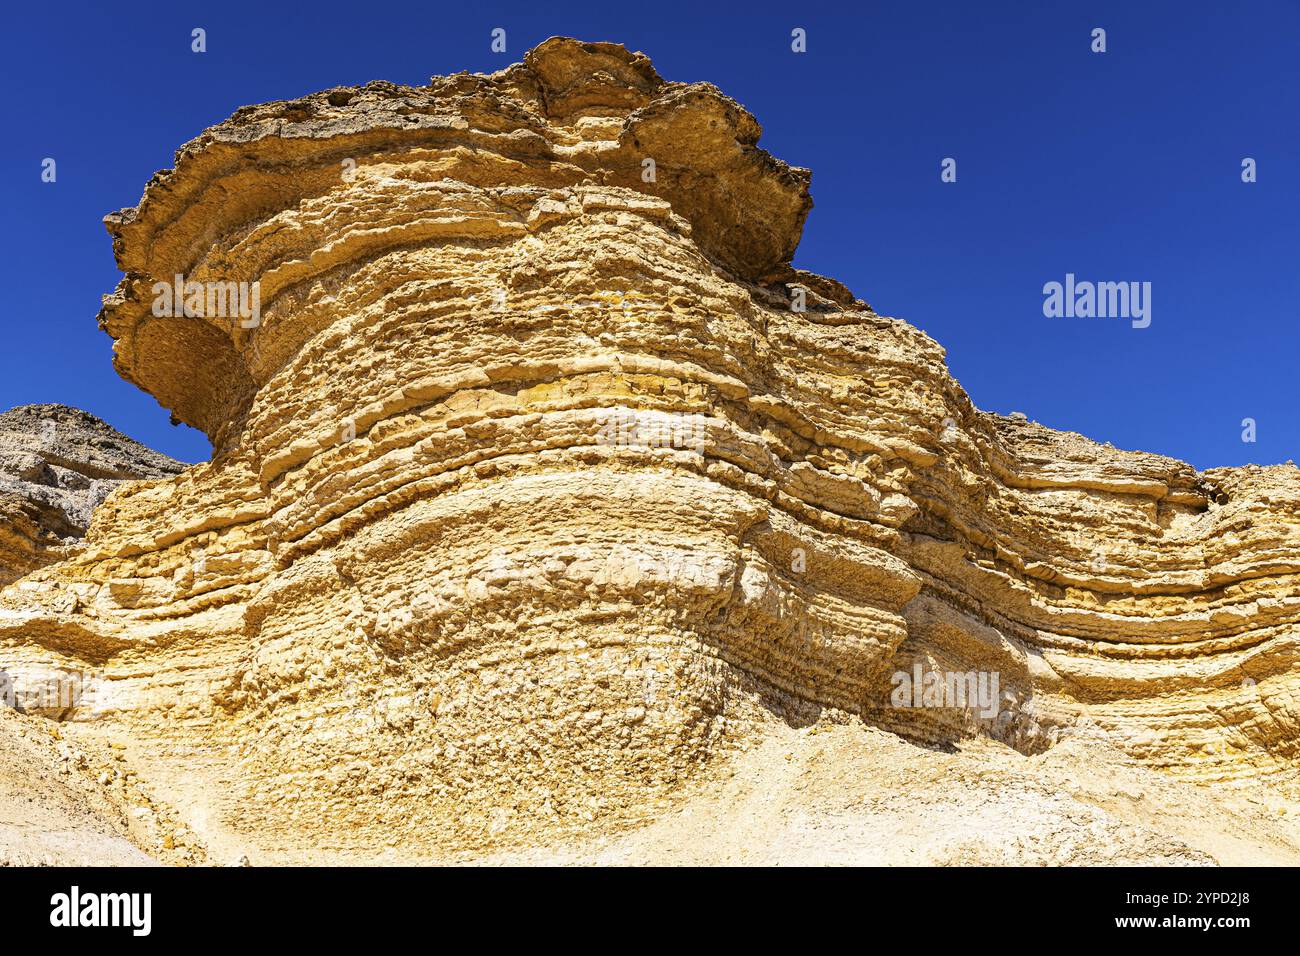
[[544, 483], [57, 464]]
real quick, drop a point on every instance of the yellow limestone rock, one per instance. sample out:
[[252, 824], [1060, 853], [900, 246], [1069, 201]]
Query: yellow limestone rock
[[544, 489]]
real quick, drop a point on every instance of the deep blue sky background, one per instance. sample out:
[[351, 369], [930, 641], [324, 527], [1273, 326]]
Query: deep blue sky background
[[1115, 167]]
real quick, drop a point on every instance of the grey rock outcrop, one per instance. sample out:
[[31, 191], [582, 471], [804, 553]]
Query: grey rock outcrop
[[57, 464]]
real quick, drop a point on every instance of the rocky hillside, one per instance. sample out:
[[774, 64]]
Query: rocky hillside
[[57, 464], [547, 493]]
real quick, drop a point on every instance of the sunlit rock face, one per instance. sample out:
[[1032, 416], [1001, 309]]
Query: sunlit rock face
[[542, 481]]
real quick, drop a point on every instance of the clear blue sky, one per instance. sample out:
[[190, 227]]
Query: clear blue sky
[[1117, 166]]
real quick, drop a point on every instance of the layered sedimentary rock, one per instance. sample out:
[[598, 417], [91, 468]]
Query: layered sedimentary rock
[[56, 465], [543, 482]]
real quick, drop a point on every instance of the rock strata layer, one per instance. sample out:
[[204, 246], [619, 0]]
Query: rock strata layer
[[543, 483]]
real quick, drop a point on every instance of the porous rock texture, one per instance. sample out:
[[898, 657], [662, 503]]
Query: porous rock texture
[[420, 605]]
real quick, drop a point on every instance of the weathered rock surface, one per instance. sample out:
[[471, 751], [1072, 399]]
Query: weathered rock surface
[[545, 485], [57, 464]]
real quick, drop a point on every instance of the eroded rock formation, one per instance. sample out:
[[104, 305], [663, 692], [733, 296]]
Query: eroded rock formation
[[544, 482]]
